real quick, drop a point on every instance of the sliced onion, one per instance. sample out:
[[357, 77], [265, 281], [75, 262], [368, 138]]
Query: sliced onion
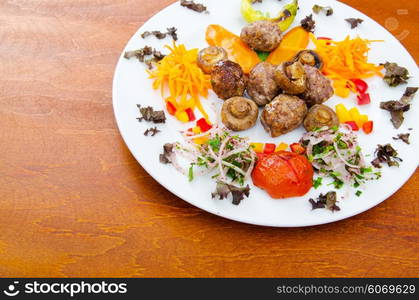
[[235, 168], [343, 159]]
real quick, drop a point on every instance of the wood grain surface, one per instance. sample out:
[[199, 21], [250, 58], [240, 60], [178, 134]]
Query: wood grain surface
[[74, 202]]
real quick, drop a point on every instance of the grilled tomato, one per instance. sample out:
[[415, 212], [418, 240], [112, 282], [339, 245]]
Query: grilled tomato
[[283, 174]]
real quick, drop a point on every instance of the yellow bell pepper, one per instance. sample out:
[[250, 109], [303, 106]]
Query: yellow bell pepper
[[201, 140], [182, 116], [196, 130], [355, 116], [257, 147], [364, 119], [281, 147], [342, 113]]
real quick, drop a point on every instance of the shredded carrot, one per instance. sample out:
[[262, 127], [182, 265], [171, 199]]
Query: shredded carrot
[[180, 72], [346, 60]]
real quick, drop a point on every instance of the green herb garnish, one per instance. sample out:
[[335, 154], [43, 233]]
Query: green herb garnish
[[215, 143], [366, 170], [342, 145], [317, 182], [190, 173], [263, 55]]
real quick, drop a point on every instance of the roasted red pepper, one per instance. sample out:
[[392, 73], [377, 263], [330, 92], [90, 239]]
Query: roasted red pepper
[[297, 148], [190, 114], [364, 99], [203, 124], [361, 85], [324, 38], [171, 109], [353, 125], [269, 148], [368, 126]]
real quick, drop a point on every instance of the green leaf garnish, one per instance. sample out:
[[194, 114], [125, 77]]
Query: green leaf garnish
[[263, 55], [317, 182]]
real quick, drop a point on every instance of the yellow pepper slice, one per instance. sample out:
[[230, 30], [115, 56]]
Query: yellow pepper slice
[[281, 147], [355, 116], [196, 130], [364, 119], [201, 140], [182, 116], [342, 113], [257, 147]]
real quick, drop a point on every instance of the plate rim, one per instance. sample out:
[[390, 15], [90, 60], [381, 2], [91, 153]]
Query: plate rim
[[237, 218]]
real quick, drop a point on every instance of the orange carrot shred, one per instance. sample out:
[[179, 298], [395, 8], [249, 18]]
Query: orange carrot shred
[[346, 60], [179, 69]]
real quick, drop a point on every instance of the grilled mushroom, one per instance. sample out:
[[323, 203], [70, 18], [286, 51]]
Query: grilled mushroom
[[209, 57], [291, 77], [239, 113], [320, 116], [309, 57]]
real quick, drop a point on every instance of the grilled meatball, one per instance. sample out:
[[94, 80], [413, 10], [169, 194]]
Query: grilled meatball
[[228, 80], [262, 87], [283, 114], [262, 35], [319, 88]]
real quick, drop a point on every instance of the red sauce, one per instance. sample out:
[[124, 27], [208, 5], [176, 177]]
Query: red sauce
[[283, 174]]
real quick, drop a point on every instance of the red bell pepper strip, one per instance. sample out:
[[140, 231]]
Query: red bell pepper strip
[[269, 148], [324, 38], [190, 114], [203, 124], [364, 99], [361, 85], [171, 109], [368, 126], [297, 148], [353, 125]]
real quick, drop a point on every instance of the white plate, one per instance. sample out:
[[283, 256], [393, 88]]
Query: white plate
[[131, 86]]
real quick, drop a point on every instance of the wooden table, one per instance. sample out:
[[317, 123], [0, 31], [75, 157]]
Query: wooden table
[[74, 202]]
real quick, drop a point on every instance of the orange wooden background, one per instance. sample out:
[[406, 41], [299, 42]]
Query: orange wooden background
[[73, 201]]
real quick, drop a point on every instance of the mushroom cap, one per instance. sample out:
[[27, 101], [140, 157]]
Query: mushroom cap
[[320, 116], [291, 77], [283, 114], [209, 57], [239, 113], [309, 57]]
